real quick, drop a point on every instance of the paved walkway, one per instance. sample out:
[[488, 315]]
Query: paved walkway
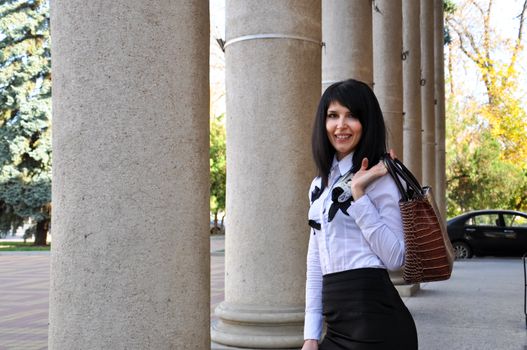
[[24, 284], [480, 307]]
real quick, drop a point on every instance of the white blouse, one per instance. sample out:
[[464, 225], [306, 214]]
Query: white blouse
[[370, 235]]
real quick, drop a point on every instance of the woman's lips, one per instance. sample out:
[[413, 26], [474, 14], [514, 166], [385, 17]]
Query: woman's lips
[[343, 137]]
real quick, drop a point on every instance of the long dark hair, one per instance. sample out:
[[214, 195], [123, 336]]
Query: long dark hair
[[362, 103]]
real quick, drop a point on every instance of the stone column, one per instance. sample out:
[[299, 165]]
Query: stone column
[[273, 56], [427, 91], [347, 34], [130, 256], [388, 68], [388, 85], [412, 108], [440, 187], [412, 87]]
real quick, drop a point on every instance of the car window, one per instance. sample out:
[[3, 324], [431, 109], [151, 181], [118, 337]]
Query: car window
[[483, 220], [512, 220]]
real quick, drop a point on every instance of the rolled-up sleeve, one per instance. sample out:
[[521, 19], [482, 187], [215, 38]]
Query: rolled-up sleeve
[[378, 216], [313, 316]]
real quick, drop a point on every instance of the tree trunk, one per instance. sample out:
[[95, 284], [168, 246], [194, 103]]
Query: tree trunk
[[41, 233]]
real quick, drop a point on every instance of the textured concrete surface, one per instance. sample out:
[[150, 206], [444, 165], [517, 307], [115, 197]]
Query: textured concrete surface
[[412, 153], [347, 33], [272, 90], [388, 68], [427, 92], [130, 159], [439, 98]]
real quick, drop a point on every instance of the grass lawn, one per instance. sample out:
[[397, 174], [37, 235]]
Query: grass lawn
[[20, 246]]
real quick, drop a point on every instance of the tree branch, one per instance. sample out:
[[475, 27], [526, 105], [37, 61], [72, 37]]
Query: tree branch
[[476, 5], [22, 39], [517, 45], [18, 8]]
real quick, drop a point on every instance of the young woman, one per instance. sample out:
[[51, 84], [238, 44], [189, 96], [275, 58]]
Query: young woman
[[356, 230]]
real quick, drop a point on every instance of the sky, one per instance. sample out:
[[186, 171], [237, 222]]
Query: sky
[[217, 61]]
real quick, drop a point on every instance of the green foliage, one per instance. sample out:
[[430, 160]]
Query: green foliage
[[449, 8], [21, 247], [480, 174], [486, 137], [479, 179], [25, 113], [218, 165]]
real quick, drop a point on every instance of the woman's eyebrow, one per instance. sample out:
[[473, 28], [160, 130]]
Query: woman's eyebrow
[[336, 112]]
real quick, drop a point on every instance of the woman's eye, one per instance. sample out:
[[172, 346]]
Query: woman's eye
[[332, 116]]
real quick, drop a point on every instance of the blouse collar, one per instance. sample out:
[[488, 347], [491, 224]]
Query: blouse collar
[[344, 165]]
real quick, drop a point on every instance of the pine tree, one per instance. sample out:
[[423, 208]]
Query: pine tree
[[25, 116]]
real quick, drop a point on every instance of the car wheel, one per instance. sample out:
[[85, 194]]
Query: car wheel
[[462, 250]]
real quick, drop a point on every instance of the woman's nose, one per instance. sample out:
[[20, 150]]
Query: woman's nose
[[340, 122]]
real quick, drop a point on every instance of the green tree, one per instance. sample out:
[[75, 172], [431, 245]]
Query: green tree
[[487, 137], [25, 116], [495, 58], [477, 177], [218, 169]]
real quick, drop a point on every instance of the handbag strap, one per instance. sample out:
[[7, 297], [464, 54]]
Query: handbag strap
[[399, 171], [390, 166]]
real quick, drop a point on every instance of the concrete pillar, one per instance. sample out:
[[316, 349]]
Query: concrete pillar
[[388, 85], [440, 186], [273, 65], [388, 68], [427, 91], [412, 87], [347, 34], [412, 110], [130, 256]]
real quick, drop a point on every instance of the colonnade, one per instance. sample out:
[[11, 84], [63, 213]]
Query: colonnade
[[130, 258]]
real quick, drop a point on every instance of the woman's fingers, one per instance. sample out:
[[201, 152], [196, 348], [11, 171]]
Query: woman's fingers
[[382, 168], [364, 164], [392, 153]]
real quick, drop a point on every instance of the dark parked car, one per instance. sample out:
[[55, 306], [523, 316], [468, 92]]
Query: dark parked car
[[488, 232]]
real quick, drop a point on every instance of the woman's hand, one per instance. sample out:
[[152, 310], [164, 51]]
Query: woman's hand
[[310, 344], [365, 176]]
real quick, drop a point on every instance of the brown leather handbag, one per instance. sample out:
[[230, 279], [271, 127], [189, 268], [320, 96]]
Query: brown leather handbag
[[429, 255]]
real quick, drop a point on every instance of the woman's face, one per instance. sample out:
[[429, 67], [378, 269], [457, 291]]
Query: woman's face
[[344, 130]]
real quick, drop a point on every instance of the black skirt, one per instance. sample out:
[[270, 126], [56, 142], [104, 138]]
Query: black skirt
[[364, 311]]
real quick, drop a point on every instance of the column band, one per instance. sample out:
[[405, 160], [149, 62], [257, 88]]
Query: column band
[[272, 36]]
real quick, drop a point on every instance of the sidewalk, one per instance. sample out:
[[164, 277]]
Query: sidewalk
[[24, 292], [480, 307]]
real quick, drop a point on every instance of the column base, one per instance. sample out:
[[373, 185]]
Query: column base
[[405, 290], [216, 346], [258, 327]]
